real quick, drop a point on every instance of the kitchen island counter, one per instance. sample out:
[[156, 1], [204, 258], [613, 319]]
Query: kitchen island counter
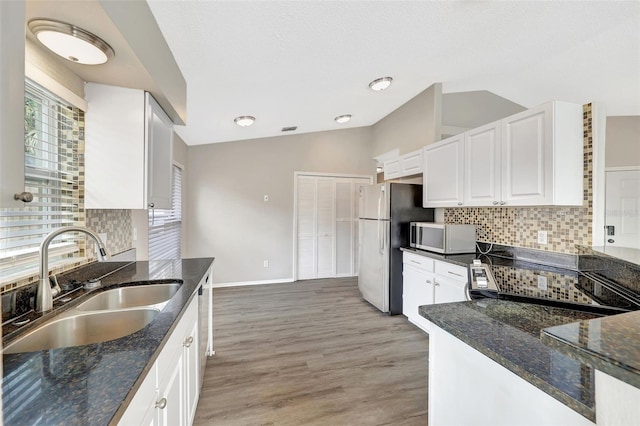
[[509, 333], [92, 384]]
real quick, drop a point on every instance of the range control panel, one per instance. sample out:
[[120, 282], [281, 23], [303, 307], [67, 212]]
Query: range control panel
[[480, 278]]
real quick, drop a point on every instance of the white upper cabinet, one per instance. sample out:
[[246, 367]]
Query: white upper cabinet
[[542, 156], [11, 102], [533, 158], [405, 165], [443, 173], [482, 166], [128, 150]]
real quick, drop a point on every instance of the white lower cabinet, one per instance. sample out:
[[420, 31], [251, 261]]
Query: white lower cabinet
[[427, 281], [169, 394]]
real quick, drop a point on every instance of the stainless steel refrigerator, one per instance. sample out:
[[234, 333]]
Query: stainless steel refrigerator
[[385, 213]]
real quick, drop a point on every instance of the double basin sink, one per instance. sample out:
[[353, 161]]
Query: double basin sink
[[105, 316]]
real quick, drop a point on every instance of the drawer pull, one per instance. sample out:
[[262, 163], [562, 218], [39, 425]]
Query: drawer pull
[[437, 284], [188, 341], [162, 403], [415, 261], [453, 273]]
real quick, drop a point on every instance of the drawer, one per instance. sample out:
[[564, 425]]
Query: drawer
[[449, 270], [417, 261]]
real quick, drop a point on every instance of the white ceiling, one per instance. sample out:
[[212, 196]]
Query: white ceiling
[[302, 63]]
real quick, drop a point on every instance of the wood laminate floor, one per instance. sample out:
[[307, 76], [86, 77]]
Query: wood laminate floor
[[311, 353]]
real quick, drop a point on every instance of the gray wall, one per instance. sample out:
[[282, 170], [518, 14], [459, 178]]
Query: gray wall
[[227, 216], [622, 147], [412, 126], [475, 109]]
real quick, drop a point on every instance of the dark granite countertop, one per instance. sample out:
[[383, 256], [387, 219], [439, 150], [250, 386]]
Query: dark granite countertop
[[92, 384], [509, 333], [610, 344], [463, 260]]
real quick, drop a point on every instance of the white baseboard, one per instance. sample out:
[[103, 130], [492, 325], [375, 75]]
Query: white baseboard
[[260, 282]]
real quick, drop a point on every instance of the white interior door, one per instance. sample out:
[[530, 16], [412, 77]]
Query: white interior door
[[325, 228], [306, 216], [622, 213], [327, 211]]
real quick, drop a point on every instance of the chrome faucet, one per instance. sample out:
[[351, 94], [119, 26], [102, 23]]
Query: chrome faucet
[[44, 295]]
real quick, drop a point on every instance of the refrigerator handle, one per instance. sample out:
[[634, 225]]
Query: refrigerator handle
[[380, 233]]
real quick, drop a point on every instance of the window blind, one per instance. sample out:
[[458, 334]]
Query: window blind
[[165, 224], [53, 130]]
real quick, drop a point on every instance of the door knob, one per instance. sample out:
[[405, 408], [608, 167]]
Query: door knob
[[611, 241]]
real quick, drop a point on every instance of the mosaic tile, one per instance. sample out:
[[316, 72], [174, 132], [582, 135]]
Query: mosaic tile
[[518, 226]]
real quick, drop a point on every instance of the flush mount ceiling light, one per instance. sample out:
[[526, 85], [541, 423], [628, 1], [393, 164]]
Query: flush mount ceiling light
[[244, 120], [380, 83], [343, 118], [71, 42]]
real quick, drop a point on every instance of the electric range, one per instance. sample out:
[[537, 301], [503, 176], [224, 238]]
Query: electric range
[[547, 285]]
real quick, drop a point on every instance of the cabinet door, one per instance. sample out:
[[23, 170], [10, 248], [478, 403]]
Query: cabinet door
[[417, 291], [482, 166], [410, 279], [527, 157], [392, 169], [411, 163], [447, 290], [443, 173], [159, 155], [191, 372], [171, 404], [11, 102], [115, 161]]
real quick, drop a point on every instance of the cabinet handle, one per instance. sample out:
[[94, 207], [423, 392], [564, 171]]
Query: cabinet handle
[[414, 261], [459, 204], [436, 283], [495, 203], [502, 203], [25, 197], [162, 403], [188, 341], [453, 273]]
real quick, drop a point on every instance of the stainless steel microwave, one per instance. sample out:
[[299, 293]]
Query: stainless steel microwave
[[443, 238]]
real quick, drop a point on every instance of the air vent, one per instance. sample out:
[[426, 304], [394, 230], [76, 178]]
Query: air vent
[[289, 129]]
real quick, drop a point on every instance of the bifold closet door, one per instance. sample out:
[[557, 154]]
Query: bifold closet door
[[327, 232]]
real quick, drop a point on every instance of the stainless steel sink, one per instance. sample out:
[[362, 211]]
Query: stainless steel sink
[[80, 328], [130, 297]]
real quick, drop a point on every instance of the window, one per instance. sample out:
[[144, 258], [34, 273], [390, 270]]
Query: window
[[53, 137], [165, 224]]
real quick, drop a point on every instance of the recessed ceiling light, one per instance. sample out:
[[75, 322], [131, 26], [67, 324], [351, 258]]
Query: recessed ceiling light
[[380, 83], [72, 43], [244, 120], [343, 118]]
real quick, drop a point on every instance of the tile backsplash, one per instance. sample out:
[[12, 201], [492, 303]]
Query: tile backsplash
[[518, 226], [116, 224]]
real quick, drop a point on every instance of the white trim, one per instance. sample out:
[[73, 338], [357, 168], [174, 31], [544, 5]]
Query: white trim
[[334, 175], [43, 79], [259, 282], [389, 155], [599, 126], [622, 169]]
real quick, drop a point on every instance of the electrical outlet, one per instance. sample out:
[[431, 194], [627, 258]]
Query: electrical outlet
[[265, 263], [266, 198], [542, 282], [542, 237]]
